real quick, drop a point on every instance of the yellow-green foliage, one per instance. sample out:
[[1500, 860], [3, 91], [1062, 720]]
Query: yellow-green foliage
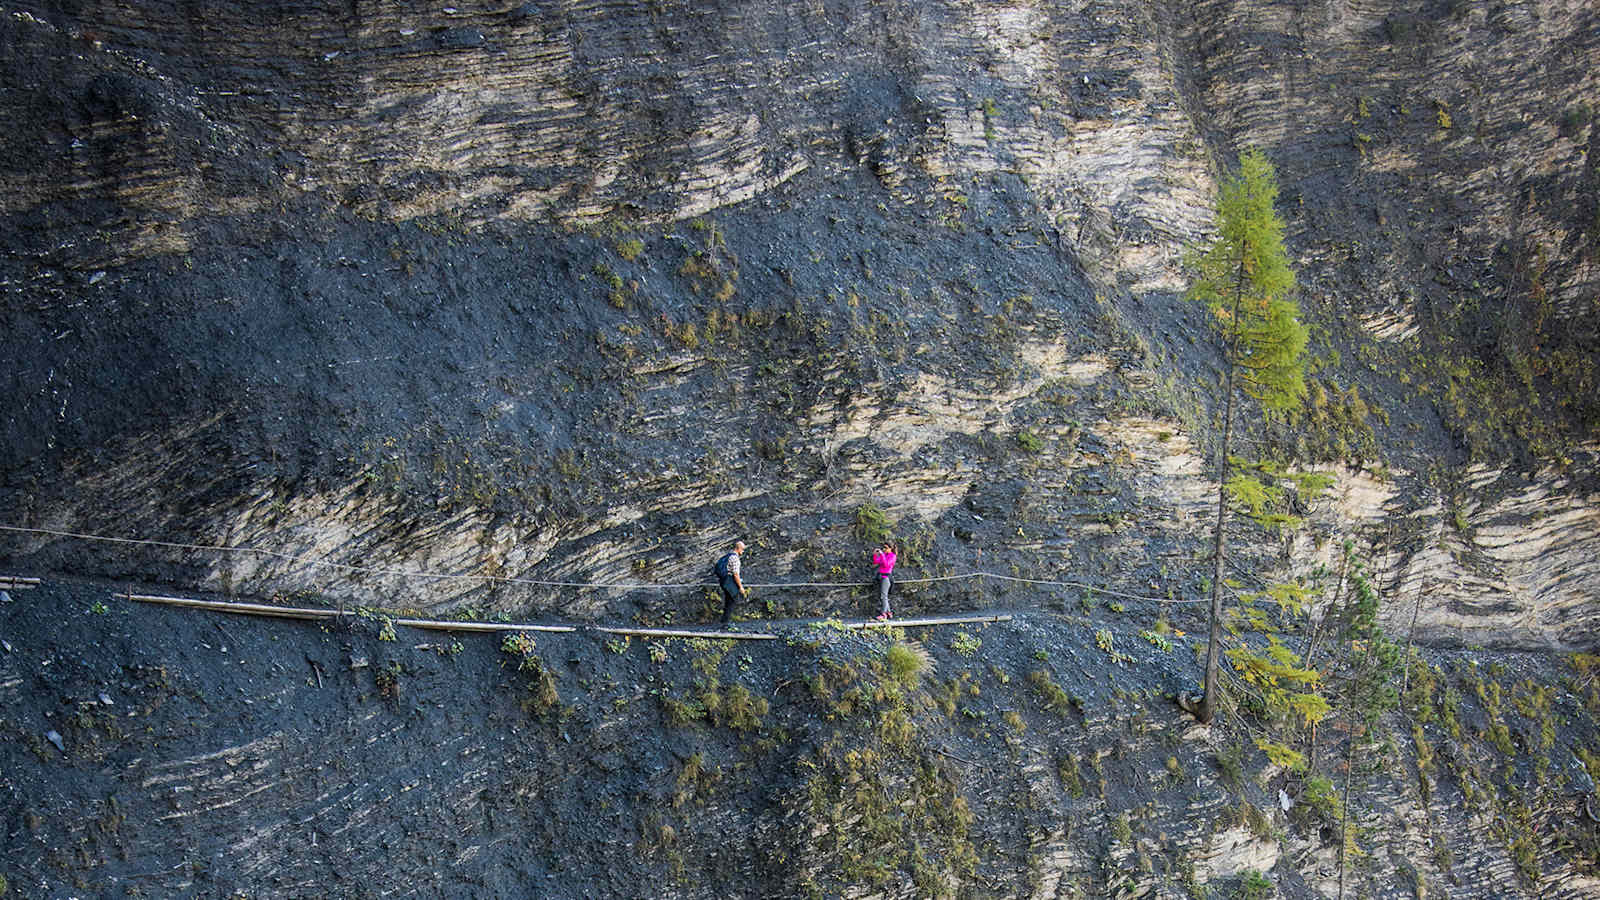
[[1245, 280], [906, 664], [1536, 702], [948, 697], [1450, 712], [1310, 485], [1489, 694], [686, 335], [881, 803], [708, 658], [1290, 597], [1285, 686], [1515, 826], [1419, 739], [1333, 424], [1317, 796], [630, 248], [519, 644], [1587, 666], [875, 819], [542, 692], [1050, 693], [1500, 736], [1282, 755], [1251, 817], [852, 689], [1591, 761], [740, 709], [682, 710], [604, 273], [1419, 691], [695, 783], [1067, 770], [1256, 496], [1122, 830], [706, 275], [965, 643], [895, 728], [1259, 487], [734, 707]]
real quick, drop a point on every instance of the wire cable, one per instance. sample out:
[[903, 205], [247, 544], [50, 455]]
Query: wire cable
[[590, 585]]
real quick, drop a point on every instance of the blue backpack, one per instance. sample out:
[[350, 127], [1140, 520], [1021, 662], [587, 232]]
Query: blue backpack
[[721, 568]]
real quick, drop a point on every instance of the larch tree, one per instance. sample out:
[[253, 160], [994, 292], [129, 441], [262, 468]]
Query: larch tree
[[1244, 279]]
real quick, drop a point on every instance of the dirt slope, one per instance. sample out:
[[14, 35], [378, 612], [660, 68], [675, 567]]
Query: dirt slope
[[212, 756]]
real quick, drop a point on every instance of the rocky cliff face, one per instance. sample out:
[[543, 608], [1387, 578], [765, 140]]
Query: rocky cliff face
[[163, 752], [435, 289], [531, 295]]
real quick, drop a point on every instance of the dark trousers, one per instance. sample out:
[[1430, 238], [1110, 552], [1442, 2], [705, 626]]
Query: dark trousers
[[730, 596]]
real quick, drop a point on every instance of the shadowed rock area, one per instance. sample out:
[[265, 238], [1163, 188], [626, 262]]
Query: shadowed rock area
[[427, 290], [207, 755], [512, 310]]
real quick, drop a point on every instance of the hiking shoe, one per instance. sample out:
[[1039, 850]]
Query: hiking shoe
[[882, 616]]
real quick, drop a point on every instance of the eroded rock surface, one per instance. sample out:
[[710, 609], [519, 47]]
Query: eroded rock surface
[[253, 756], [526, 296], [944, 225]]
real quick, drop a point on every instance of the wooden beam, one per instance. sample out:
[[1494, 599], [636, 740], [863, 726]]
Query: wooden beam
[[919, 623], [445, 625], [315, 614], [685, 633], [244, 609], [17, 583]]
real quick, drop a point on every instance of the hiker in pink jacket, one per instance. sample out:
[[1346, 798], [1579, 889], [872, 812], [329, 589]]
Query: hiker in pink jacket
[[884, 559]]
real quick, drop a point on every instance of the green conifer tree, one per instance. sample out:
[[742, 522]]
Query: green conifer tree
[[1245, 280]]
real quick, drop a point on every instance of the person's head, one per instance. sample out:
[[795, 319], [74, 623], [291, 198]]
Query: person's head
[[738, 546]]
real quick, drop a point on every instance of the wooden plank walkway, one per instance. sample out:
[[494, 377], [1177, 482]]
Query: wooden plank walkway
[[324, 614]]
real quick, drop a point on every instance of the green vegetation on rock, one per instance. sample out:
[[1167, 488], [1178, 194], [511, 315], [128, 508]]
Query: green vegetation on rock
[[1244, 280]]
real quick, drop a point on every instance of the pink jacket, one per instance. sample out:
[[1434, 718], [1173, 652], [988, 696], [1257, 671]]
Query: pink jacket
[[885, 562]]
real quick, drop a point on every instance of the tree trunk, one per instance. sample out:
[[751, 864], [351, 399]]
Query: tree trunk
[[1416, 611], [1338, 595], [1344, 813], [1208, 703]]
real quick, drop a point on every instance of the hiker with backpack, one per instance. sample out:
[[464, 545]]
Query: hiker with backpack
[[884, 560], [727, 571]]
